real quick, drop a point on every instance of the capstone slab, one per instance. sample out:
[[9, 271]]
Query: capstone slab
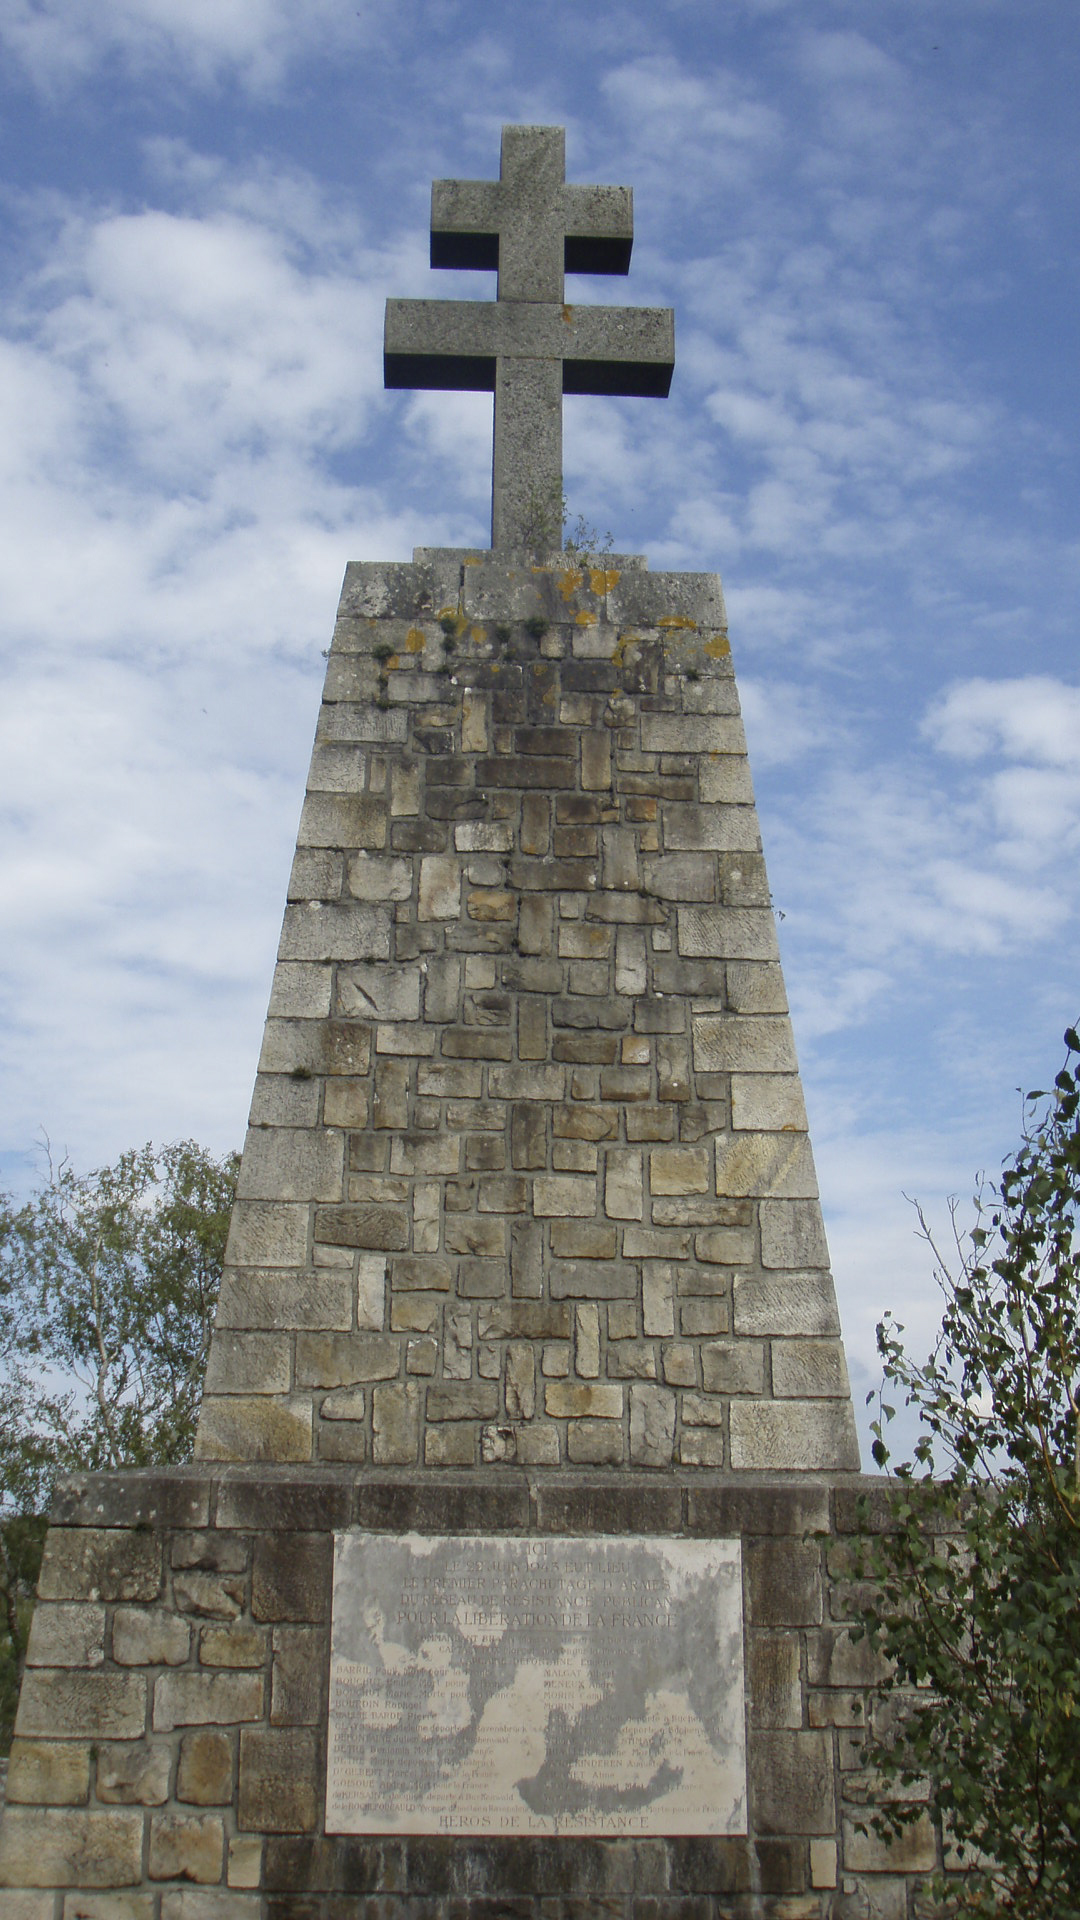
[[481, 1685]]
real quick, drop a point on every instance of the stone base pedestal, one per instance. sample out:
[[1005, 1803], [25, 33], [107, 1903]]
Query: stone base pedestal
[[170, 1756]]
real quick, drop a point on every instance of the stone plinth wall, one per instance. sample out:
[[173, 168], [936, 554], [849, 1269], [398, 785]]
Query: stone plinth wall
[[169, 1761], [528, 1179]]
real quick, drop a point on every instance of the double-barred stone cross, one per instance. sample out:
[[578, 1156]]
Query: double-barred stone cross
[[528, 347]]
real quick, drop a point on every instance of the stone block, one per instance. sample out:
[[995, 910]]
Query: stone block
[[292, 1163], [462, 1400], [206, 1699], [811, 1435], [24, 1905], [765, 1163], [728, 1042], [733, 1367], [278, 1780], [784, 1582], [701, 1447], [773, 1682], [149, 1638], [291, 1577], [374, 1227], [232, 1645], [679, 876], [652, 1426], [731, 933], [134, 1775], [304, 1298], [440, 888], [342, 1359], [335, 931], [296, 1696], [767, 1103], [698, 1318], [301, 991], [369, 991], [94, 1705], [809, 1369], [245, 1860], [587, 1344], [67, 1635], [677, 1170], [792, 1234], [373, 876], [64, 1847], [567, 1400], [280, 1101], [264, 1234], [913, 1851], [658, 1298], [248, 1363], [99, 1563], [205, 1773], [594, 1443], [791, 1782], [52, 1773], [563, 1195], [835, 1658], [395, 1422], [788, 1303], [623, 1186], [679, 1365], [520, 1381], [254, 1427], [185, 1846]]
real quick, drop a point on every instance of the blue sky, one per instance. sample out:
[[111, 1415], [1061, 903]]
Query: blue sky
[[865, 215]]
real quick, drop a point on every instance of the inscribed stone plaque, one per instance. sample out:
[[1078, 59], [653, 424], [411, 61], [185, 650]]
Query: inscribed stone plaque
[[552, 1686]]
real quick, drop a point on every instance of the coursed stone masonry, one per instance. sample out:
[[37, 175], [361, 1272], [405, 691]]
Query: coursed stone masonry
[[528, 1179], [170, 1751]]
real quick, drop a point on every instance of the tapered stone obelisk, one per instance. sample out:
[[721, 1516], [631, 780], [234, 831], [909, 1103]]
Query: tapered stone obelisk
[[528, 1178], [502, 1578]]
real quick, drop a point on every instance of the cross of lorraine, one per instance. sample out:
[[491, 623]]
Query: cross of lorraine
[[528, 346]]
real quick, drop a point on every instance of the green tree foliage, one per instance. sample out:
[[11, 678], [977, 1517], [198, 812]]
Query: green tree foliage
[[975, 1575], [108, 1283]]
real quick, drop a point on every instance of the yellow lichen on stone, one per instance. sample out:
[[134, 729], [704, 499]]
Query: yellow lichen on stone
[[678, 620], [603, 579], [585, 619], [570, 581], [478, 636], [719, 647], [414, 640], [623, 645]]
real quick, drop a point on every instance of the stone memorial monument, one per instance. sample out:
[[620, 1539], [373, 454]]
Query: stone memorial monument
[[507, 1578]]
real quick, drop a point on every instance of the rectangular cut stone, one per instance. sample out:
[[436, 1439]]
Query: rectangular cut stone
[[767, 1103], [533, 1628], [729, 933], [692, 733], [723, 829], [292, 1163], [724, 1042], [792, 1234], [785, 1303], [66, 1846], [765, 1163], [804, 1435], [335, 932]]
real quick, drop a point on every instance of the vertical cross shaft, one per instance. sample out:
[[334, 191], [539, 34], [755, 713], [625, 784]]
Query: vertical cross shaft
[[528, 346]]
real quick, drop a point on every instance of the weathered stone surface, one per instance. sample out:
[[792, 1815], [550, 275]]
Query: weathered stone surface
[[54, 1773], [792, 1787], [96, 1705], [205, 1772], [788, 1433], [213, 1699], [70, 1847], [145, 1638], [134, 1775], [67, 1636], [186, 1847], [278, 1780], [93, 1563], [291, 1578]]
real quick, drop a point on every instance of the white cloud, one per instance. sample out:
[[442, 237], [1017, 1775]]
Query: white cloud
[[61, 42], [1035, 717]]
